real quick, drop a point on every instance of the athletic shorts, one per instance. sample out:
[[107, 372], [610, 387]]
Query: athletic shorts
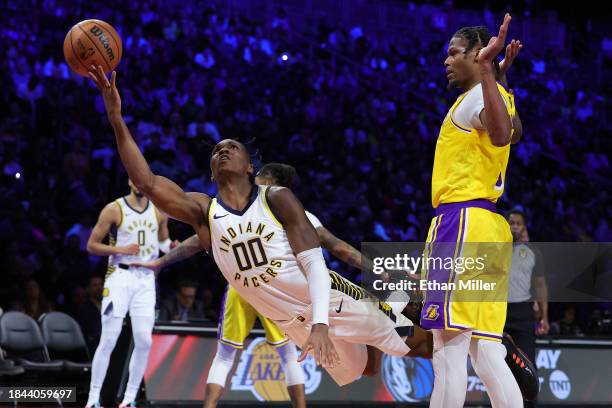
[[130, 290], [236, 321], [355, 321], [468, 230]]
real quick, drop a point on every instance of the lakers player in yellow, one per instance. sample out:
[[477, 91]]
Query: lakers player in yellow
[[469, 169]]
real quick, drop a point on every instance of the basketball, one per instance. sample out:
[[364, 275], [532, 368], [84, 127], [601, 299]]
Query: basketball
[[92, 42]]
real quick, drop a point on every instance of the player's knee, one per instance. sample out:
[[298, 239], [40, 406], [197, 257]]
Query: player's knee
[[225, 352], [108, 341], [142, 340]]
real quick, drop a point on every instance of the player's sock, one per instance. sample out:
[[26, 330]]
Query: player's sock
[[293, 372], [221, 365], [142, 328], [488, 360], [450, 368], [111, 328], [398, 301]]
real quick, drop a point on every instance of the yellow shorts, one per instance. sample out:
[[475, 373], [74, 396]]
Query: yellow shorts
[[237, 318], [470, 291]]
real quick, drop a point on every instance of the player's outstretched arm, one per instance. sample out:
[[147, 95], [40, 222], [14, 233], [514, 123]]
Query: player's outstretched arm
[[343, 250], [305, 243], [494, 116], [184, 250], [164, 193]]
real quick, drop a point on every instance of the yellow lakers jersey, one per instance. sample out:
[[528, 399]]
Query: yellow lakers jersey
[[467, 166]]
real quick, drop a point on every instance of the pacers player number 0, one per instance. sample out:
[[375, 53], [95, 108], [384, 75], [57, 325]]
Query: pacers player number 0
[[253, 255], [141, 237]]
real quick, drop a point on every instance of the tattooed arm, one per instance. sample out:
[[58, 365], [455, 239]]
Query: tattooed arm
[[184, 250]]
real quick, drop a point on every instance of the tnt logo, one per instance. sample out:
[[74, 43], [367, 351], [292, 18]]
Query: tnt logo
[[261, 373], [559, 384], [431, 313]]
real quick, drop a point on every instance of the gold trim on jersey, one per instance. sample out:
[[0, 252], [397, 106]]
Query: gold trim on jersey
[[265, 199], [213, 202], [110, 270], [345, 286], [118, 201], [157, 215]]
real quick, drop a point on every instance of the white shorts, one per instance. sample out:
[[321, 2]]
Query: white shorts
[[132, 290], [359, 323]]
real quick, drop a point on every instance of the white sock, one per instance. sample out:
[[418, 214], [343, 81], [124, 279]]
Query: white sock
[[111, 329], [142, 329], [221, 365], [488, 360], [293, 372], [449, 362], [398, 301]]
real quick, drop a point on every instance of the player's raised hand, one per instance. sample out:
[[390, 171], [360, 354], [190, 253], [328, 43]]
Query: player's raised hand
[[322, 348], [496, 44], [108, 89], [512, 51]]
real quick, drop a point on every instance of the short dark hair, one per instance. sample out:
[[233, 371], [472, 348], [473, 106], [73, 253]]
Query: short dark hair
[[186, 283], [282, 174], [476, 35], [517, 212]]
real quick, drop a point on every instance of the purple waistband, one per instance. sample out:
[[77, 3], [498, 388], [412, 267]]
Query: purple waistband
[[482, 203]]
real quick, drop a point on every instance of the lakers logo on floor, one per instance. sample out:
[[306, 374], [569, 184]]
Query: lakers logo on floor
[[261, 373]]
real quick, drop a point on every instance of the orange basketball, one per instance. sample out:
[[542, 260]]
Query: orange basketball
[[92, 42]]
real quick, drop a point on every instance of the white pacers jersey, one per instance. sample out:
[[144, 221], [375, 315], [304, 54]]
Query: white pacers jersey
[[135, 228], [252, 251]]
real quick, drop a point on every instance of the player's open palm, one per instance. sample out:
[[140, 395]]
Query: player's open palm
[[322, 348], [108, 89], [496, 44], [512, 51]]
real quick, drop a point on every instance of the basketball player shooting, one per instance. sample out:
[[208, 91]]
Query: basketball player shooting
[[137, 232], [270, 253]]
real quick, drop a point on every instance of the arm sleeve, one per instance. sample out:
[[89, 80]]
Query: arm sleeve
[[319, 283], [313, 220]]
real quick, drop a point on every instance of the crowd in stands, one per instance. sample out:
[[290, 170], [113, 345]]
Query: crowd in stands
[[356, 113]]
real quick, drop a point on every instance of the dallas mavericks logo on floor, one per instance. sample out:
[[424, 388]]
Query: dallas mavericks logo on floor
[[408, 379], [260, 372]]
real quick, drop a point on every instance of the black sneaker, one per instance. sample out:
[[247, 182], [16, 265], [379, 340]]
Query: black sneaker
[[522, 368]]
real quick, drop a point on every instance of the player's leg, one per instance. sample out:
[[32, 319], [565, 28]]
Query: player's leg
[[111, 329], [237, 318], [217, 375], [450, 351], [488, 360], [142, 315], [142, 329], [294, 376]]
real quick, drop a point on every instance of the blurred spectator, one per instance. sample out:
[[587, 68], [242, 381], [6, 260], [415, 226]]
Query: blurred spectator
[[567, 325], [183, 306], [88, 313], [34, 302]]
